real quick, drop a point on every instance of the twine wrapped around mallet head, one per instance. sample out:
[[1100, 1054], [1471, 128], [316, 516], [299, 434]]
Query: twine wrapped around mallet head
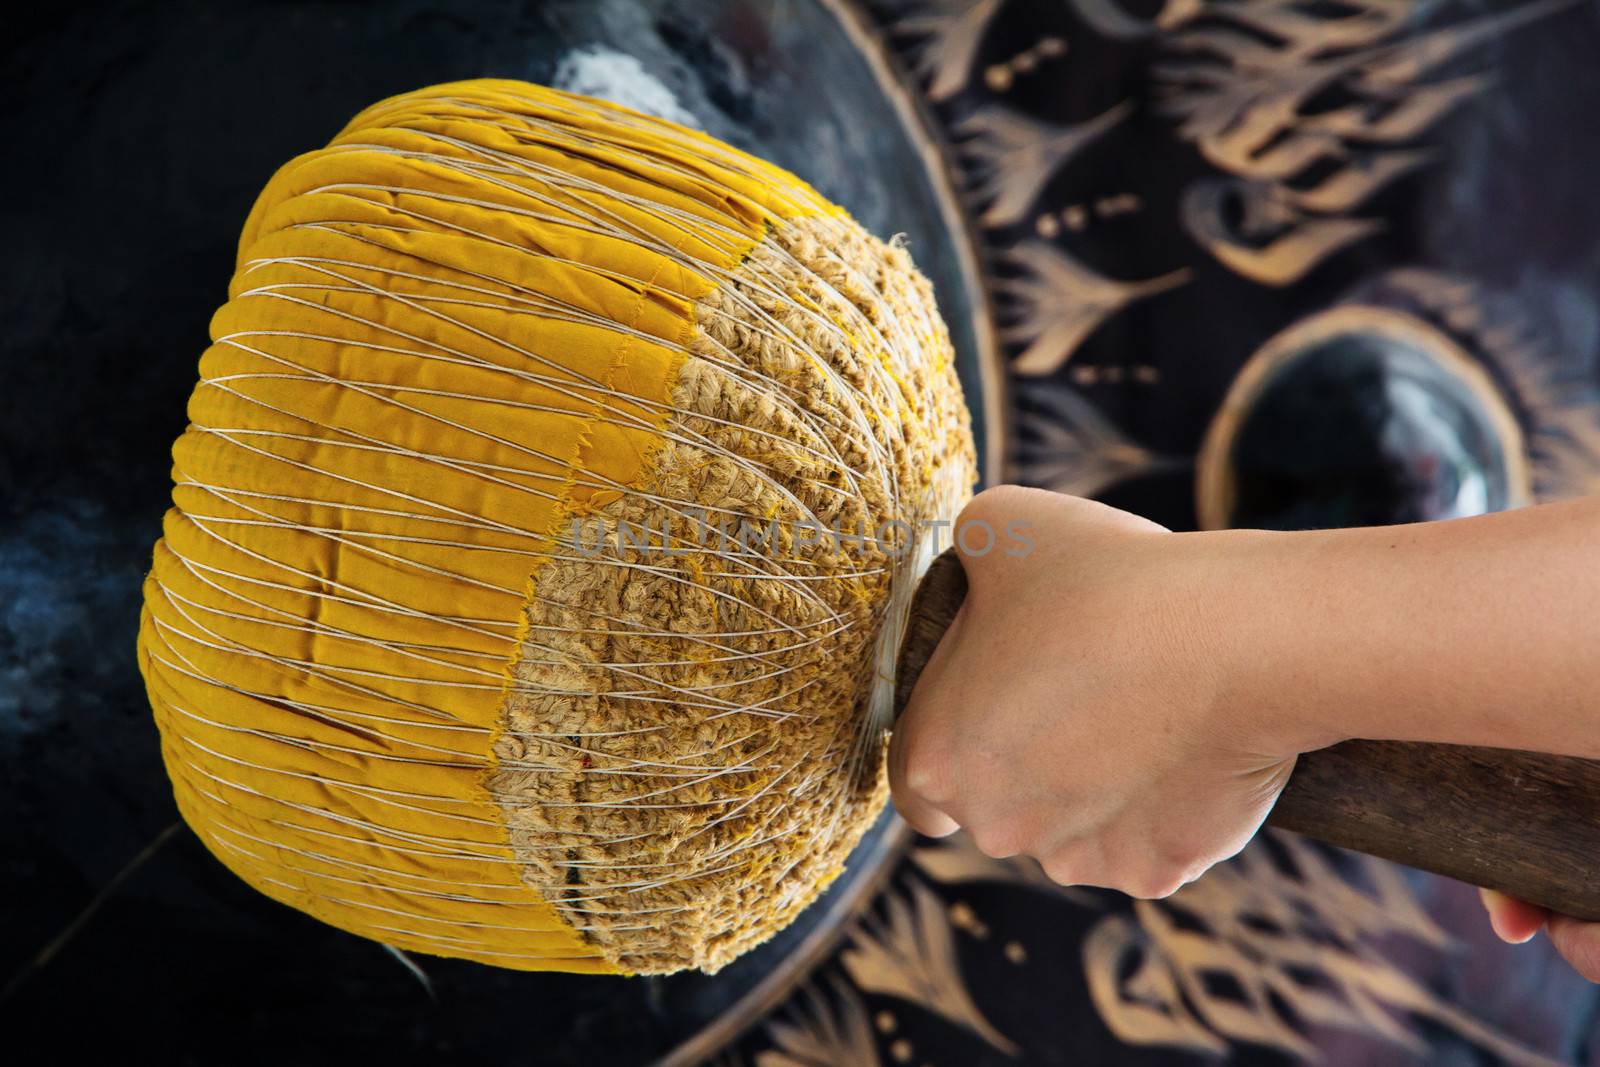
[[503, 610]]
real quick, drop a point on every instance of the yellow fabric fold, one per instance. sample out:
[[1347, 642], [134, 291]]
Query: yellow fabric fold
[[449, 330]]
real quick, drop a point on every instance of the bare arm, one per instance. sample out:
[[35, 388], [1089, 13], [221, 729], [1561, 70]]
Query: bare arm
[[1481, 631], [1142, 736]]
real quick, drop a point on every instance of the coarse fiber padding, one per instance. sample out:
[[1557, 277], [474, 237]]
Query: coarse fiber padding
[[458, 637]]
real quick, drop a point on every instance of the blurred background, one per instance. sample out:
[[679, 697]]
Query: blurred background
[[1280, 263]]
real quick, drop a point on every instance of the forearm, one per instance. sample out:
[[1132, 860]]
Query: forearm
[[1481, 631]]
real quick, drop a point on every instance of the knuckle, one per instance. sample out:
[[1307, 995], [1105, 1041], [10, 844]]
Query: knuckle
[[1063, 869], [1158, 875], [1156, 886], [983, 523], [1060, 873], [997, 840], [1186, 864], [929, 770], [997, 499], [918, 818]]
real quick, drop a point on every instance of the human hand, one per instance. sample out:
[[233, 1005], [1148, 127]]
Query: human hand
[[1516, 922], [1075, 711]]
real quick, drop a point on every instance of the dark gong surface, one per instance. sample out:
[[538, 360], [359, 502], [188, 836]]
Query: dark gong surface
[[138, 134], [1362, 430], [1504, 210]]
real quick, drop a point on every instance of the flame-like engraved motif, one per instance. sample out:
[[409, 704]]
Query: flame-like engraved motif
[[1249, 84]]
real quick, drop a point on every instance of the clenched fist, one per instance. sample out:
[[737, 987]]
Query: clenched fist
[[1075, 711], [1124, 704]]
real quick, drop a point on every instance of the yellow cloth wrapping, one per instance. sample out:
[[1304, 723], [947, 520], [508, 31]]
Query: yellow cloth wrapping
[[448, 331]]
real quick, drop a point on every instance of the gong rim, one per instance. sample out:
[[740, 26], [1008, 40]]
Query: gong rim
[[940, 170], [1216, 481]]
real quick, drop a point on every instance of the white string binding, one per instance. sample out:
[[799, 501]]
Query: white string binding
[[825, 427]]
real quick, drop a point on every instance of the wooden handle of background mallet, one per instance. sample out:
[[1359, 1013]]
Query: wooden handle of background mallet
[[1520, 822]]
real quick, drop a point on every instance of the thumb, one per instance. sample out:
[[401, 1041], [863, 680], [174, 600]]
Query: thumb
[[923, 814], [924, 817]]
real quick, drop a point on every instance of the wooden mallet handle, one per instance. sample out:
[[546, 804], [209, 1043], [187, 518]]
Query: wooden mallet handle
[[1523, 823]]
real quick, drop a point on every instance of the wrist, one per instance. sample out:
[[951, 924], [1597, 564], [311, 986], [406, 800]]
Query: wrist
[[1264, 663]]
